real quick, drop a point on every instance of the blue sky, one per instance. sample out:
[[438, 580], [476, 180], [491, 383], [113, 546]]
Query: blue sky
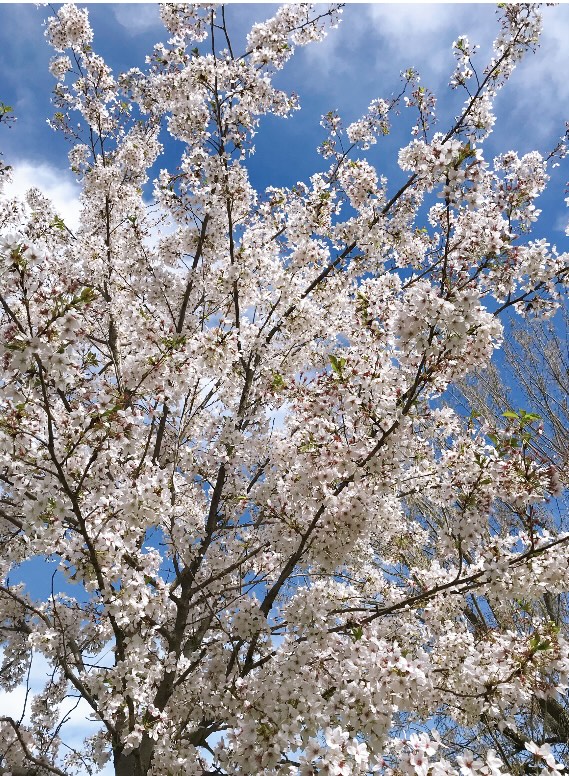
[[358, 62]]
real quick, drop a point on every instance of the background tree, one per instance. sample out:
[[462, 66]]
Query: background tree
[[275, 597], [531, 381]]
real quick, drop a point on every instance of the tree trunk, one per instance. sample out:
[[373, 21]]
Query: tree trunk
[[137, 762]]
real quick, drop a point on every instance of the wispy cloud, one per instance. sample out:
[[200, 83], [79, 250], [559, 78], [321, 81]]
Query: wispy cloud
[[363, 59], [58, 185], [375, 42], [77, 725], [137, 18], [539, 92]]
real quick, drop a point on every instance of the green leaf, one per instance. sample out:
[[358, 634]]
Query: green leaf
[[174, 341], [86, 296], [537, 645], [510, 414], [278, 381], [357, 633], [529, 417], [58, 223], [309, 445], [337, 364]]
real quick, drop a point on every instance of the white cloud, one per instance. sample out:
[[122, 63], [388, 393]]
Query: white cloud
[[58, 185], [373, 36], [63, 191], [541, 85], [376, 42], [278, 417], [77, 725], [138, 17]]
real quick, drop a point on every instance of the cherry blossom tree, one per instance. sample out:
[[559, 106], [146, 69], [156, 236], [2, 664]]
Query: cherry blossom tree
[[231, 435], [6, 116]]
